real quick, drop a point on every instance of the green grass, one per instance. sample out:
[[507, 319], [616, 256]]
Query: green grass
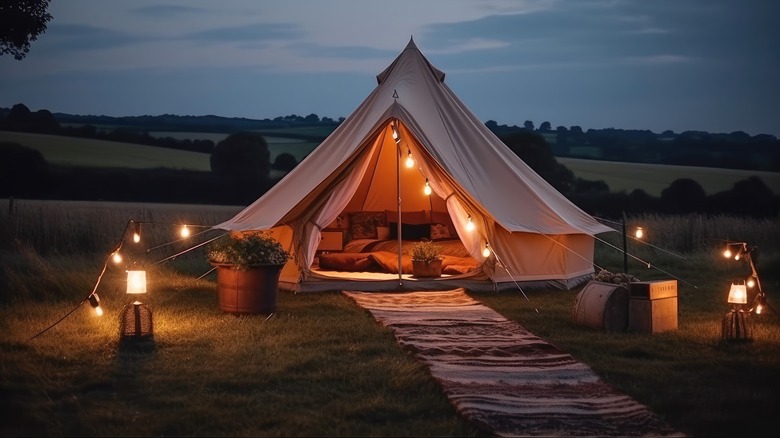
[[654, 178], [323, 366]]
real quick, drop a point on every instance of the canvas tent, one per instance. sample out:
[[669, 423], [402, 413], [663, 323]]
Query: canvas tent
[[538, 235]]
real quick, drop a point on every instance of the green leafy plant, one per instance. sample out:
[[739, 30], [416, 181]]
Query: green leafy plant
[[425, 251], [247, 250]]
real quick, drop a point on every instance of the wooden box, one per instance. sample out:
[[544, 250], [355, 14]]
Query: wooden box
[[653, 306], [331, 240]]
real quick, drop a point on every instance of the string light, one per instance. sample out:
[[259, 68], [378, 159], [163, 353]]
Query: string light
[[136, 232], [427, 189], [639, 233], [486, 250], [727, 253], [185, 232], [409, 159], [470, 225], [116, 257], [395, 135], [94, 301], [751, 282]]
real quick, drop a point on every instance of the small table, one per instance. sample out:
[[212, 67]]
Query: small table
[[331, 239]]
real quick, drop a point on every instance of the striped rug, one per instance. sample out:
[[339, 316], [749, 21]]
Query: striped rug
[[500, 376]]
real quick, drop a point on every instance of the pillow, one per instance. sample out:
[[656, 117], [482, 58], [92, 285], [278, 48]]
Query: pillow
[[362, 224], [408, 217], [440, 232], [383, 233], [410, 231]]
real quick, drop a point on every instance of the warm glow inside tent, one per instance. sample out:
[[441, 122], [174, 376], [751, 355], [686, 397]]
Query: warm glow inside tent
[[537, 236]]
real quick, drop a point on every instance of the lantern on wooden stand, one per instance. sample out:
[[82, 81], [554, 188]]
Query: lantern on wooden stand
[[136, 321], [736, 323]]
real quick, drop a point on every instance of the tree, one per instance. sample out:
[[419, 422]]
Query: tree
[[243, 156], [684, 195], [285, 161], [545, 126], [21, 21], [528, 125]]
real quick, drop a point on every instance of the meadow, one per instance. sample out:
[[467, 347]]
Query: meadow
[[652, 178], [321, 365]]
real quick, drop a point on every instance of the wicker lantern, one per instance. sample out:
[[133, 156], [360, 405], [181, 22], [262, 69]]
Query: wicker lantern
[[136, 317]]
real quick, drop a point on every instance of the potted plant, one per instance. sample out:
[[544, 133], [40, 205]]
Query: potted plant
[[248, 267], [426, 259]]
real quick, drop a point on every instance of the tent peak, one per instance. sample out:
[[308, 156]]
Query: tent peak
[[411, 44]]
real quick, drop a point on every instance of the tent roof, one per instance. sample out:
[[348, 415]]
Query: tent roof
[[487, 172]]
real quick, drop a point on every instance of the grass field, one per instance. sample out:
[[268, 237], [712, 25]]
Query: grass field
[[626, 177], [653, 178], [322, 366]]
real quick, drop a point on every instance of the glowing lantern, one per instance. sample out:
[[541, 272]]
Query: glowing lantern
[[738, 294], [136, 282]]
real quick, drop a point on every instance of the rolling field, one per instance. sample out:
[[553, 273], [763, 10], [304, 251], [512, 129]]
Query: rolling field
[[652, 178]]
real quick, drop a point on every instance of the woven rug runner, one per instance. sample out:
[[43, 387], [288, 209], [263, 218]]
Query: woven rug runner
[[501, 377]]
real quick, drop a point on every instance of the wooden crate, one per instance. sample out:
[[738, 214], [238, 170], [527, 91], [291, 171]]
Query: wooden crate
[[653, 306]]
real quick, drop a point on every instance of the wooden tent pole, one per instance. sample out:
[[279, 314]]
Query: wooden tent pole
[[398, 192]]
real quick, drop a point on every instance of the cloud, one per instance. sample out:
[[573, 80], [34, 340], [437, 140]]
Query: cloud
[[167, 11]]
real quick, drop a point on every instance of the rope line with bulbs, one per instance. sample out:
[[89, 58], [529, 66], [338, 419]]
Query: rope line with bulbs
[[136, 278]]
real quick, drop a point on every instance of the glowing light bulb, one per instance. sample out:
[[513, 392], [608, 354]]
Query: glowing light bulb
[[759, 309], [185, 232], [136, 232], [736, 257], [486, 251], [751, 282], [470, 225], [427, 189], [409, 160], [116, 257], [395, 134], [94, 301], [727, 253], [639, 232]]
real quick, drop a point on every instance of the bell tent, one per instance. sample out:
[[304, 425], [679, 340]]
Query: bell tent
[[482, 196]]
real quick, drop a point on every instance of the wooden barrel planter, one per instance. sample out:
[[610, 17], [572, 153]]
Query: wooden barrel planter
[[248, 291], [603, 306]]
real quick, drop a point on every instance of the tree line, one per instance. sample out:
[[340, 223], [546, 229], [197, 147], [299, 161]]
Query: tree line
[[240, 172]]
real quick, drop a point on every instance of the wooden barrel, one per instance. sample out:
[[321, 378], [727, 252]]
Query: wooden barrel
[[602, 305]]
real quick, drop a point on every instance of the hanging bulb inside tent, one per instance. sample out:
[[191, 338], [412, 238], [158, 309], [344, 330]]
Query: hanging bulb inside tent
[[427, 189], [185, 232], [486, 250], [409, 159], [470, 225], [395, 135]]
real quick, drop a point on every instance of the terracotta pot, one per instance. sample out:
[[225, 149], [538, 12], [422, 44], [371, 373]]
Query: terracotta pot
[[248, 291], [422, 268]]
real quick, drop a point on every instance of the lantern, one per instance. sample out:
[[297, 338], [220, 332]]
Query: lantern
[[738, 294], [136, 282]]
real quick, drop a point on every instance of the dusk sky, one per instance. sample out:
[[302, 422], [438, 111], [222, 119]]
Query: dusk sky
[[710, 65]]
